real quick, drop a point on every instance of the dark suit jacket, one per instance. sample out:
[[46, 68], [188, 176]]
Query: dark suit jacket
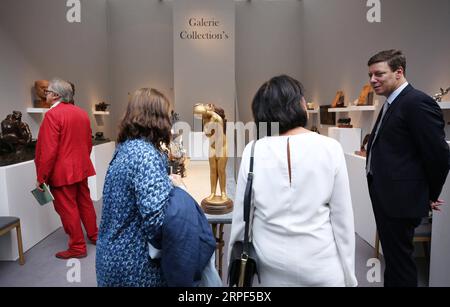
[[186, 241], [410, 157], [64, 146]]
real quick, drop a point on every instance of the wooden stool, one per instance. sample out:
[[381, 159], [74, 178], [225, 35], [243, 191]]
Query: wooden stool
[[7, 223]]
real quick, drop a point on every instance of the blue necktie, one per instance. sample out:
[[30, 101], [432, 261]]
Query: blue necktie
[[369, 155]]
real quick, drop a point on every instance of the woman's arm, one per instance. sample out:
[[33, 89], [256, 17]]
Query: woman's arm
[[342, 220]]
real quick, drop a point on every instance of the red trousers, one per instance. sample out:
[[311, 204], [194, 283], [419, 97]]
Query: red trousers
[[74, 205]]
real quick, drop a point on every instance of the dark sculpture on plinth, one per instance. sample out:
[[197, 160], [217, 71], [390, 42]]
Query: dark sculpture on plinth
[[15, 134]]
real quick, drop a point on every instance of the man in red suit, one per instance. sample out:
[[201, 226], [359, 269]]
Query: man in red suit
[[63, 162]]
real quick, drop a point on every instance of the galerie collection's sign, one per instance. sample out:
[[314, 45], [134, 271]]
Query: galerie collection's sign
[[204, 28]]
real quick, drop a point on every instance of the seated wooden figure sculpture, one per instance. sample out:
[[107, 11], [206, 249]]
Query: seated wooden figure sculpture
[[40, 100], [366, 96], [338, 101], [214, 126]]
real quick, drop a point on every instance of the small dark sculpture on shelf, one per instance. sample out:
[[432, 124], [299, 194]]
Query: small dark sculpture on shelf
[[363, 151], [102, 106], [314, 129], [15, 134], [345, 123], [438, 96], [99, 138]]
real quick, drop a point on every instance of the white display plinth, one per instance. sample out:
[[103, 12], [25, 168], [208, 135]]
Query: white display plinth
[[101, 156], [365, 225], [350, 138], [440, 242], [37, 222]]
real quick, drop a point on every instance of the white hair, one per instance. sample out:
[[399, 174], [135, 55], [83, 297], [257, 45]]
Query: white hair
[[62, 88]]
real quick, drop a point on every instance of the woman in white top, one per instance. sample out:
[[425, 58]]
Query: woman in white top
[[303, 228]]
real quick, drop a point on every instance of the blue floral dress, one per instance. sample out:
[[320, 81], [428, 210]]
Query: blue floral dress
[[135, 195]]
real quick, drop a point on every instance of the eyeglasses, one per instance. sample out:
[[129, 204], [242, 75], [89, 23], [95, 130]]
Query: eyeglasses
[[46, 92]]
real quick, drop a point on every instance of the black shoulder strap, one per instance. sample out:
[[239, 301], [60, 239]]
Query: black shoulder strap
[[248, 199]]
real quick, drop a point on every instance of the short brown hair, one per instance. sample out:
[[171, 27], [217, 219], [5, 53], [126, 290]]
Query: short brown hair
[[394, 58], [147, 117]]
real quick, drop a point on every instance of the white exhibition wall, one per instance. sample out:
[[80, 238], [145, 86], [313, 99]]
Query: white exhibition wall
[[37, 42], [338, 42]]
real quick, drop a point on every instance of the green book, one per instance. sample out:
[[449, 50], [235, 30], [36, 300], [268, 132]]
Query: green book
[[43, 197]]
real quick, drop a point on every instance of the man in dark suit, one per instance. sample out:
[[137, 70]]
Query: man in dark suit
[[63, 162], [407, 164]]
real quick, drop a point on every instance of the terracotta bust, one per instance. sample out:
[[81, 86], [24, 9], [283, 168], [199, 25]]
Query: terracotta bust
[[40, 86]]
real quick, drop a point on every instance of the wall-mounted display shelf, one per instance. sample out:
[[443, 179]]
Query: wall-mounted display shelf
[[353, 109], [37, 110], [444, 104], [101, 112]]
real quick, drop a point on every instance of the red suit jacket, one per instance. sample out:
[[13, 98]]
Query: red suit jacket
[[64, 146]]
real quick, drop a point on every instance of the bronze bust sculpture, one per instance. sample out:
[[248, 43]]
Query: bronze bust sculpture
[[214, 126], [15, 133]]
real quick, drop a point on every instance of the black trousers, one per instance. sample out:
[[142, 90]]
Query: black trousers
[[396, 237]]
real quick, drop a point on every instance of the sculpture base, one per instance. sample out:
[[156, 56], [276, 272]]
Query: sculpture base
[[217, 205]]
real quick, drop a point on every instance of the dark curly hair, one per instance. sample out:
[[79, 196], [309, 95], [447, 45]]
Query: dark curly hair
[[147, 117]]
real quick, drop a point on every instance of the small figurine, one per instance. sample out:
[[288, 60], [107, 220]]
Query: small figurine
[[345, 123], [102, 106], [366, 96], [338, 101], [438, 96], [310, 106], [99, 136]]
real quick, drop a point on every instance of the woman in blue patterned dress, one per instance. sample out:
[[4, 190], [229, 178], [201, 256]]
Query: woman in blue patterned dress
[[135, 194]]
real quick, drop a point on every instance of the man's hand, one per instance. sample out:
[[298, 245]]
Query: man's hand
[[435, 205], [38, 186]]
